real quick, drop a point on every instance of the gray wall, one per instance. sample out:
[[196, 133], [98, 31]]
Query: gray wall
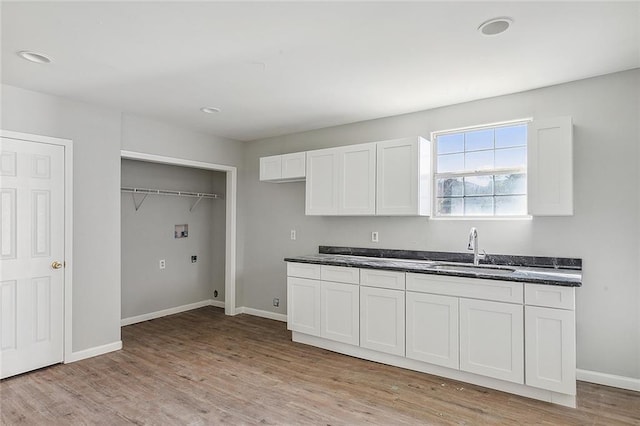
[[604, 231], [147, 236], [96, 204], [98, 135], [149, 136]]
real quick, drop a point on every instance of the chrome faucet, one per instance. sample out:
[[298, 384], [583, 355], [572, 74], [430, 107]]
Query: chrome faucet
[[473, 245]]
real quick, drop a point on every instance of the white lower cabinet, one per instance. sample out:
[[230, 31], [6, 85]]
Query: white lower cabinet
[[340, 317], [492, 339], [432, 329], [515, 332], [551, 349], [303, 305], [382, 319]]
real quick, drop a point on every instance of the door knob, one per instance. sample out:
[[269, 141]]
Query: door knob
[[56, 265]]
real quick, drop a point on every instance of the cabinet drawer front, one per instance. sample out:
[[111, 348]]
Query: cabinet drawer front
[[303, 270], [340, 274], [475, 288], [551, 296], [382, 279]]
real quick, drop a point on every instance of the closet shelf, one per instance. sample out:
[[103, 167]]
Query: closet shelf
[[148, 191]]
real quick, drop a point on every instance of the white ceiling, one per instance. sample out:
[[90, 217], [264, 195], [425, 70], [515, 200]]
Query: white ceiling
[[282, 67]]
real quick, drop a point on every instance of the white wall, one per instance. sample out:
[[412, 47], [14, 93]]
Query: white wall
[[96, 204], [147, 235], [604, 231]]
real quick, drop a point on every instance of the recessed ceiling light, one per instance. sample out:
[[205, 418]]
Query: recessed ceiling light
[[210, 110], [38, 58], [495, 26]]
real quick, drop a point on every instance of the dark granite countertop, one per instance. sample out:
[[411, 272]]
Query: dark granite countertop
[[538, 270]]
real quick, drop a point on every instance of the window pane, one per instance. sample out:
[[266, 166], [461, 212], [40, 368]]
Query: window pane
[[478, 206], [450, 187], [480, 160], [511, 157], [450, 206], [478, 185], [480, 139], [450, 163], [511, 184], [511, 136], [451, 143], [511, 205]]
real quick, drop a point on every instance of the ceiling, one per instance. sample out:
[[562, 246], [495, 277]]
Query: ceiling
[[275, 68]]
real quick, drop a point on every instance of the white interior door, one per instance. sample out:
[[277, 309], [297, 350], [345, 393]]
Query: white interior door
[[31, 255]]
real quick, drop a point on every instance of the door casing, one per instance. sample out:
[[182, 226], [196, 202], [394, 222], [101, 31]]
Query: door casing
[[230, 225]]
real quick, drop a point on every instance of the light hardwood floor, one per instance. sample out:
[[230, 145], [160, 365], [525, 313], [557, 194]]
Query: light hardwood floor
[[202, 367]]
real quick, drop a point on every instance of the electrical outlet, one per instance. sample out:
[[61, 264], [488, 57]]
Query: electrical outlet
[[194, 259], [293, 234], [162, 264], [374, 236], [276, 302]]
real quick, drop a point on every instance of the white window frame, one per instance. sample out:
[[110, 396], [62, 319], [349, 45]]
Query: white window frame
[[490, 172]]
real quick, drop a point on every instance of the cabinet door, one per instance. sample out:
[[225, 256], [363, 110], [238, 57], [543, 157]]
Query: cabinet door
[[340, 305], [432, 329], [550, 341], [322, 182], [492, 339], [397, 186], [550, 167], [293, 165], [382, 320], [357, 180], [303, 305], [271, 167]]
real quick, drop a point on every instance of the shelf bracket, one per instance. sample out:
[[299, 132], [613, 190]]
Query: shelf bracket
[[193, 206], [136, 204]]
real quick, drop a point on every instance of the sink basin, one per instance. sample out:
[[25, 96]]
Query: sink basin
[[446, 266], [494, 269]]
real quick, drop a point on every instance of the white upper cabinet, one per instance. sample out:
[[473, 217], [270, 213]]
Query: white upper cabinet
[[404, 177], [550, 167], [283, 168], [271, 167], [321, 194], [341, 181], [357, 180]]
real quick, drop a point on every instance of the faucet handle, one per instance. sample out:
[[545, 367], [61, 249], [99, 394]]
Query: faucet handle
[[483, 255]]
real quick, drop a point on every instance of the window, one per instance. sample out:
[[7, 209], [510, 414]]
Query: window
[[482, 171]]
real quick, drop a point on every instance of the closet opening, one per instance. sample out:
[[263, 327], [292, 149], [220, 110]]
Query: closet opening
[[178, 227]]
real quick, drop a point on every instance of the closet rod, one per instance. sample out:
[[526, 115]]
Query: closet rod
[[148, 191]]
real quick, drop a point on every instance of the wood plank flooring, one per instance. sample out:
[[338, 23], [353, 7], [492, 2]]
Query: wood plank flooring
[[202, 368]]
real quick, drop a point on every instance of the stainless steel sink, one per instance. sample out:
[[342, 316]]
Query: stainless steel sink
[[468, 267], [447, 266]]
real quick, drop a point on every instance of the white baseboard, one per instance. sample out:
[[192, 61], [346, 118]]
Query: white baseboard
[[259, 313], [209, 302], [608, 380], [170, 311], [95, 351], [217, 303]]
